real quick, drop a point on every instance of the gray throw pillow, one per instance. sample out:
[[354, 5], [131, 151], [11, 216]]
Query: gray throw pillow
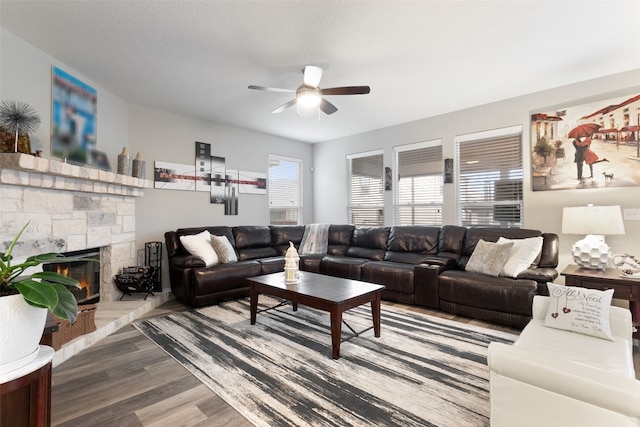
[[224, 249], [488, 258]]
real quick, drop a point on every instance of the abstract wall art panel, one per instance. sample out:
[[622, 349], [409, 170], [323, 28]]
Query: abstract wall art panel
[[174, 176]]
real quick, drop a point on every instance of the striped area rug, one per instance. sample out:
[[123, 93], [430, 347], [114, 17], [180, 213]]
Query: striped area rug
[[422, 371]]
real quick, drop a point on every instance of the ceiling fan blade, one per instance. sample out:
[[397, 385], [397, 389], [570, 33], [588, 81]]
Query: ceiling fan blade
[[284, 106], [312, 75], [346, 90], [327, 107], [271, 89]]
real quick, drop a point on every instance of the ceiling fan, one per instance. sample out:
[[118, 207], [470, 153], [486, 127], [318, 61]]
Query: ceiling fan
[[309, 94]]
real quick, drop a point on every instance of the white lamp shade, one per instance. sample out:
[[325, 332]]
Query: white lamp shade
[[602, 220]]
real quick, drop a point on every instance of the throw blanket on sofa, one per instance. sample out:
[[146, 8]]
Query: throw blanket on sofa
[[315, 239]]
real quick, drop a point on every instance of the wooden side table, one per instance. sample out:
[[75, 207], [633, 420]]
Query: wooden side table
[[25, 393], [623, 287]]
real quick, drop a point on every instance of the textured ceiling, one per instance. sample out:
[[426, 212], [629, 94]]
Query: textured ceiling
[[420, 58]]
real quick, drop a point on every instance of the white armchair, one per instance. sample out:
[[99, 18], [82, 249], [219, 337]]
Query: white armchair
[[550, 377]]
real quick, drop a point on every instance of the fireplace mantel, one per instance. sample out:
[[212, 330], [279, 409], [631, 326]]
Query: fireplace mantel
[[31, 171], [70, 208]]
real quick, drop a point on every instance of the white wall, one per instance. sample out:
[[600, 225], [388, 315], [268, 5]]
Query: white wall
[[542, 209], [25, 75]]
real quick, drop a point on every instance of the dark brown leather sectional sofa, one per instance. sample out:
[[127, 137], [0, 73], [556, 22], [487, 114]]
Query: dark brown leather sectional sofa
[[419, 265]]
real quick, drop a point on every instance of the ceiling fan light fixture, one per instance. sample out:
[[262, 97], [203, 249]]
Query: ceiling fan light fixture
[[308, 97]]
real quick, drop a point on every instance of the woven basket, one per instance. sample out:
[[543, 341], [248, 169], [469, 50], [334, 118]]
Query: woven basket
[[85, 323]]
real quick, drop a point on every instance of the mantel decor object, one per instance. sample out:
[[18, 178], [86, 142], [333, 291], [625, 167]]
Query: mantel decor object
[[596, 222], [19, 119], [291, 265], [139, 167], [124, 162]]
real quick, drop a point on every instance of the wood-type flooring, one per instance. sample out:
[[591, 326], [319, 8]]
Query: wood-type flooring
[[125, 380]]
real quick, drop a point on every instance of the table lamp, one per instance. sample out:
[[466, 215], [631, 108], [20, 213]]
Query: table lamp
[[596, 222]]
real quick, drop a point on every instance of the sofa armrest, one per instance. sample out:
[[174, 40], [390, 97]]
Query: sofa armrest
[[443, 262], [570, 393], [187, 261], [619, 317], [425, 285], [540, 275]]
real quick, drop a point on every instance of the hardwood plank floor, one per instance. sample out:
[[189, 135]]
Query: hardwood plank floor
[[125, 380]]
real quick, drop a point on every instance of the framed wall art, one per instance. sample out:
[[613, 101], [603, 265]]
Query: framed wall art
[[73, 118], [591, 145]]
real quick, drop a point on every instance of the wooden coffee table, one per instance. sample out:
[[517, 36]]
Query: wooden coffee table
[[327, 293]]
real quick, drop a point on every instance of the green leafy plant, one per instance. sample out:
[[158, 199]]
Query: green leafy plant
[[44, 289]]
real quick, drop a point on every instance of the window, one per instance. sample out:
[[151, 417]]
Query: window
[[285, 190], [418, 193], [489, 178], [366, 189]]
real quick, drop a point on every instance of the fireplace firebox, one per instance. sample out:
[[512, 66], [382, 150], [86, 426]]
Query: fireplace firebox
[[86, 272]]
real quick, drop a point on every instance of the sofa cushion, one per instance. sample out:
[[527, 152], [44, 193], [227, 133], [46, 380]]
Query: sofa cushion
[[369, 243], [252, 236], [199, 245], [414, 239], [488, 258], [223, 248], [581, 310], [283, 234], [611, 356], [271, 265], [394, 275], [522, 255], [412, 244], [257, 253], [342, 266], [500, 294], [370, 237]]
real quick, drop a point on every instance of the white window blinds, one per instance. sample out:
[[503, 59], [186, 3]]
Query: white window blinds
[[418, 193], [285, 191], [366, 190], [489, 180]]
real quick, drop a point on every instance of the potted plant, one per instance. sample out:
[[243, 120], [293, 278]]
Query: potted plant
[[24, 301]]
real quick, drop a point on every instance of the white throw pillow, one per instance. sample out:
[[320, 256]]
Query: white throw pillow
[[199, 245], [224, 249], [522, 254], [488, 257], [581, 310]]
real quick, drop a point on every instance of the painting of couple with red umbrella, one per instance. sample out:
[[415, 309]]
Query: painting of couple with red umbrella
[[592, 145]]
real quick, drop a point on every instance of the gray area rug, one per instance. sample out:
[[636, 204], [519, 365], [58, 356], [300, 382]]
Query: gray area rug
[[422, 371]]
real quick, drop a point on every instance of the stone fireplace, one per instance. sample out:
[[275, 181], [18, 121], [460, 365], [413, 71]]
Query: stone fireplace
[[70, 208]]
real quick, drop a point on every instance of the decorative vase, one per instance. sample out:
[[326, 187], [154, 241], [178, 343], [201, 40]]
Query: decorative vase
[[138, 166], [124, 162], [22, 327]]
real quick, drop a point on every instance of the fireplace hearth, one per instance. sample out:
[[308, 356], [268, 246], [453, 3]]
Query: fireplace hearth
[[86, 272]]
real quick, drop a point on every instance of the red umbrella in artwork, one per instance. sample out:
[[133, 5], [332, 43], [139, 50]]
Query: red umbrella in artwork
[[583, 130]]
